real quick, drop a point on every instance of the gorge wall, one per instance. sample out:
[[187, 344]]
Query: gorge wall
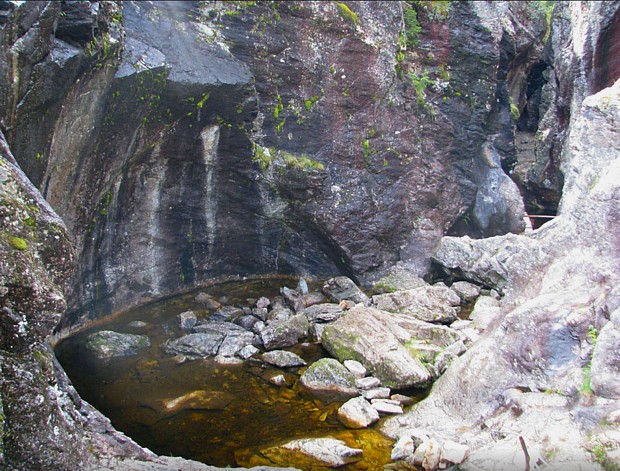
[[181, 141]]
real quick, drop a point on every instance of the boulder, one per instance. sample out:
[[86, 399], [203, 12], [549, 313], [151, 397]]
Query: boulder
[[342, 288], [283, 359], [234, 342], [197, 345], [313, 453], [427, 303], [357, 413], [329, 380], [108, 344], [366, 335], [398, 278], [285, 333]]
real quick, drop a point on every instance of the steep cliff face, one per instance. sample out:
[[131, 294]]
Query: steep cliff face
[[182, 141]]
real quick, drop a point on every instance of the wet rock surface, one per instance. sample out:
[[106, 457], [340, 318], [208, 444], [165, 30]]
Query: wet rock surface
[[108, 344]]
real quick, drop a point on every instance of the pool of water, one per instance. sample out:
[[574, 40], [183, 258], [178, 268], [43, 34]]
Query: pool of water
[[247, 413]]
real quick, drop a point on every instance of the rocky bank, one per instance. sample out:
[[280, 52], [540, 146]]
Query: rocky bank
[[150, 146]]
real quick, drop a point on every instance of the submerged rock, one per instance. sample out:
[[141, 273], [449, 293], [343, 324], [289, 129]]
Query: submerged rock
[[108, 344], [310, 453], [329, 379], [197, 400]]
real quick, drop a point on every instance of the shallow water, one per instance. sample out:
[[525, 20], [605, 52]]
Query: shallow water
[[246, 412]]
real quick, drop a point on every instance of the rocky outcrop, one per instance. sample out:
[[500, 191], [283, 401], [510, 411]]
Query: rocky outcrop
[[539, 372]]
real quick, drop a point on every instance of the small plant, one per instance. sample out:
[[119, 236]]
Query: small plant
[[263, 156], [310, 103], [347, 13], [279, 107], [592, 335], [420, 84], [412, 26], [18, 243]]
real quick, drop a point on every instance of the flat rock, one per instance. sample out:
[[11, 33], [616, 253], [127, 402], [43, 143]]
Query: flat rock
[[357, 413], [108, 344], [368, 382], [283, 359], [386, 406], [376, 393]]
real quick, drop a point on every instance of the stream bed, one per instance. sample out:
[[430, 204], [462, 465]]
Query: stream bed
[[241, 411]]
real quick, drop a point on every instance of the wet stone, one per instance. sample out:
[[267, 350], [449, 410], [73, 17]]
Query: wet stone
[[187, 320], [203, 344], [329, 379], [357, 413], [207, 301], [310, 453], [247, 351]]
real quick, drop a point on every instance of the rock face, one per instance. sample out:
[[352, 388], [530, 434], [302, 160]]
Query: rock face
[[561, 289], [176, 150]]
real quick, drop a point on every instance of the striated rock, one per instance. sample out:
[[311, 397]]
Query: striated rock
[[328, 379], [427, 303], [108, 344], [313, 452], [342, 288], [283, 359], [285, 333], [357, 413]]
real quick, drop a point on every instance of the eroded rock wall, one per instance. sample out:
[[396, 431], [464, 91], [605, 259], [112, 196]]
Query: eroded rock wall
[[182, 141]]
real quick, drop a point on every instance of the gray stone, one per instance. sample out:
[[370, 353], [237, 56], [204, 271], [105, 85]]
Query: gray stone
[[342, 288], [203, 344], [485, 310], [402, 399], [357, 413], [279, 314], [355, 367], [247, 352], [247, 322], [376, 393], [260, 313], [367, 383], [302, 287], [283, 359], [428, 303], [328, 379], [322, 313], [226, 313], [234, 342], [108, 344], [187, 320], [262, 302], [386, 406], [466, 291], [285, 333]]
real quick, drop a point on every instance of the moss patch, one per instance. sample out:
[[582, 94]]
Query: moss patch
[[18, 243]]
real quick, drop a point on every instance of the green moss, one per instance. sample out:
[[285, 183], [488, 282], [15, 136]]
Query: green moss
[[18, 243], [301, 163], [514, 111], [347, 13], [263, 156], [310, 103]]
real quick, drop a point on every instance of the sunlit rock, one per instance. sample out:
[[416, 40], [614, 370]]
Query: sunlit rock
[[283, 359], [357, 413]]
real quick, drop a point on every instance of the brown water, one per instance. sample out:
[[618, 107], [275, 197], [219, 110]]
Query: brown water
[[247, 413]]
